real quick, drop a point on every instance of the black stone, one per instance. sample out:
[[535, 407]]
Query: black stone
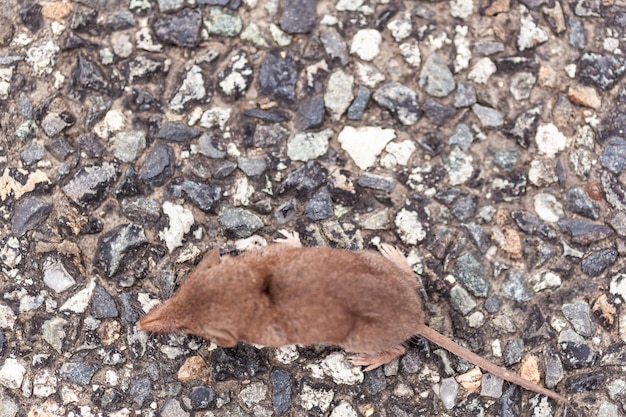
[[320, 207], [585, 232], [115, 245], [376, 182], [130, 185], [203, 195], [180, 29], [73, 41], [84, 19], [78, 372], [579, 202], [533, 225], [281, 390], [591, 381], [274, 116], [92, 226], [356, 109], [479, 237], [201, 398], [118, 21], [97, 107], [310, 113], [141, 100], [613, 157], [299, 16], [31, 16], [278, 76], [141, 210], [103, 306], [87, 75], [28, 214], [222, 168], [129, 311], [305, 179], [90, 184], [141, 390], [432, 143], [241, 362], [158, 166], [436, 112], [513, 64], [177, 132], [596, 262], [375, 381], [602, 71]]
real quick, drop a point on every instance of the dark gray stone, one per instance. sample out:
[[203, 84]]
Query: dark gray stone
[[575, 352], [376, 182], [493, 304], [78, 372], [299, 16], [305, 179], [203, 195], [222, 168], [59, 148], [579, 202], [241, 362], [552, 365], [129, 312], [252, 167], [158, 166], [472, 274], [286, 212], [31, 16], [513, 351], [310, 113], [479, 237], [525, 127], [239, 222], [533, 225], [201, 398], [140, 390], [613, 157], [88, 76], [436, 112], [603, 71], [180, 29], [32, 153], [103, 306], [514, 286], [591, 381], [320, 206], [90, 184], [410, 363], [28, 214], [335, 47], [356, 109], [375, 381], [273, 116], [399, 100], [464, 208], [596, 262], [614, 124], [177, 132], [281, 391], [278, 76], [113, 246], [577, 37], [579, 315], [141, 210], [585, 232], [614, 190]]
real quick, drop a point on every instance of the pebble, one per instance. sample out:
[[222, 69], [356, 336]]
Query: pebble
[[437, 113], [252, 167], [305, 179], [482, 71], [613, 157], [158, 165], [239, 222], [461, 300], [410, 363], [281, 391], [310, 113], [410, 51], [274, 116], [579, 315], [219, 22], [514, 287], [254, 34], [141, 390], [365, 143], [113, 247], [56, 276], [180, 221], [54, 123], [202, 194], [357, 108], [465, 95], [608, 409], [103, 306], [141, 210], [12, 374], [32, 153], [368, 74], [585, 96], [448, 391], [172, 408], [366, 44], [28, 214], [579, 202], [180, 29], [602, 71], [202, 398], [59, 148], [79, 302], [533, 225], [234, 81], [409, 227], [320, 206], [44, 384], [399, 100], [472, 274], [128, 146], [78, 372], [88, 76], [458, 166], [191, 90], [177, 132], [299, 16], [335, 47], [376, 182], [618, 222], [89, 185], [240, 362], [596, 262], [530, 34], [614, 191], [590, 381], [489, 118], [315, 398], [584, 232], [462, 136], [343, 409], [548, 208], [436, 78], [278, 76], [338, 95], [308, 146], [491, 386], [522, 84], [42, 57]]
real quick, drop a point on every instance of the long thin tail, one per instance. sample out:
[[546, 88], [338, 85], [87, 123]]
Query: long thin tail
[[483, 363]]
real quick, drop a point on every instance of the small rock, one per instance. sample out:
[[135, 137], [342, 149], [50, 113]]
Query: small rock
[[202, 194], [281, 390], [548, 208], [591, 381], [602, 71], [141, 210], [365, 143], [103, 305], [356, 109], [308, 146], [180, 29], [87, 75], [399, 100], [219, 22], [585, 96], [458, 166], [339, 94], [436, 78], [299, 16], [310, 113], [177, 132], [409, 227], [12, 374], [236, 78], [461, 300], [465, 95], [489, 118], [530, 35], [32, 153], [278, 76], [584, 232], [614, 191], [320, 206], [252, 167], [201, 398], [613, 157], [471, 273], [618, 222], [513, 351], [193, 368], [28, 214], [580, 203], [579, 315], [514, 287], [158, 166], [491, 386], [305, 179], [180, 221], [191, 90], [128, 146], [253, 394], [172, 408], [482, 71], [522, 84], [239, 222], [89, 184], [335, 46], [448, 390], [273, 116], [596, 262], [366, 44], [437, 112], [577, 37], [113, 247], [56, 276], [376, 182], [141, 390]]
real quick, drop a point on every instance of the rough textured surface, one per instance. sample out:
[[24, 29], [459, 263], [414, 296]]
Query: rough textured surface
[[485, 139]]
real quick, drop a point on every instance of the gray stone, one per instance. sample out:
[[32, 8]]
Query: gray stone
[[574, 350], [141, 210], [239, 222], [54, 123], [436, 78], [579, 315], [338, 95], [252, 167], [579, 202], [128, 146], [103, 306], [299, 16], [376, 182], [513, 351], [32, 153], [584, 232], [129, 313], [113, 246], [552, 365], [78, 372], [59, 148], [219, 22], [491, 386], [525, 126], [436, 112], [28, 214], [222, 168], [308, 146], [464, 208], [201, 398], [356, 109], [399, 100], [320, 206], [286, 212], [374, 382], [90, 184], [465, 95], [506, 159], [613, 157], [170, 5], [140, 390], [472, 274], [493, 304], [487, 48], [208, 145], [596, 262], [614, 191], [522, 84], [461, 300], [281, 391], [278, 76], [172, 408], [410, 363], [177, 132], [577, 37], [602, 71], [305, 179], [462, 136], [515, 288], [8, 406], [310, 113], [88, 76], [202, 194], [489, 118], [335, 47], [158, 166], [618, 222], [53, 333]]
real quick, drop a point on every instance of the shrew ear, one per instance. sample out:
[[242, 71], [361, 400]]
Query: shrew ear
[[210, 259]]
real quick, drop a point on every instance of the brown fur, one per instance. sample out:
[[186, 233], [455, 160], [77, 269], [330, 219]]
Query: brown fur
[[362, 301]]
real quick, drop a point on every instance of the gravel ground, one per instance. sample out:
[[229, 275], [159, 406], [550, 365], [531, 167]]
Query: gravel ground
[[485, 139]]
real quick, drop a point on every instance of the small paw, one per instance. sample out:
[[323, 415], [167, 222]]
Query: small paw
[[394, 255], [291, 238]]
